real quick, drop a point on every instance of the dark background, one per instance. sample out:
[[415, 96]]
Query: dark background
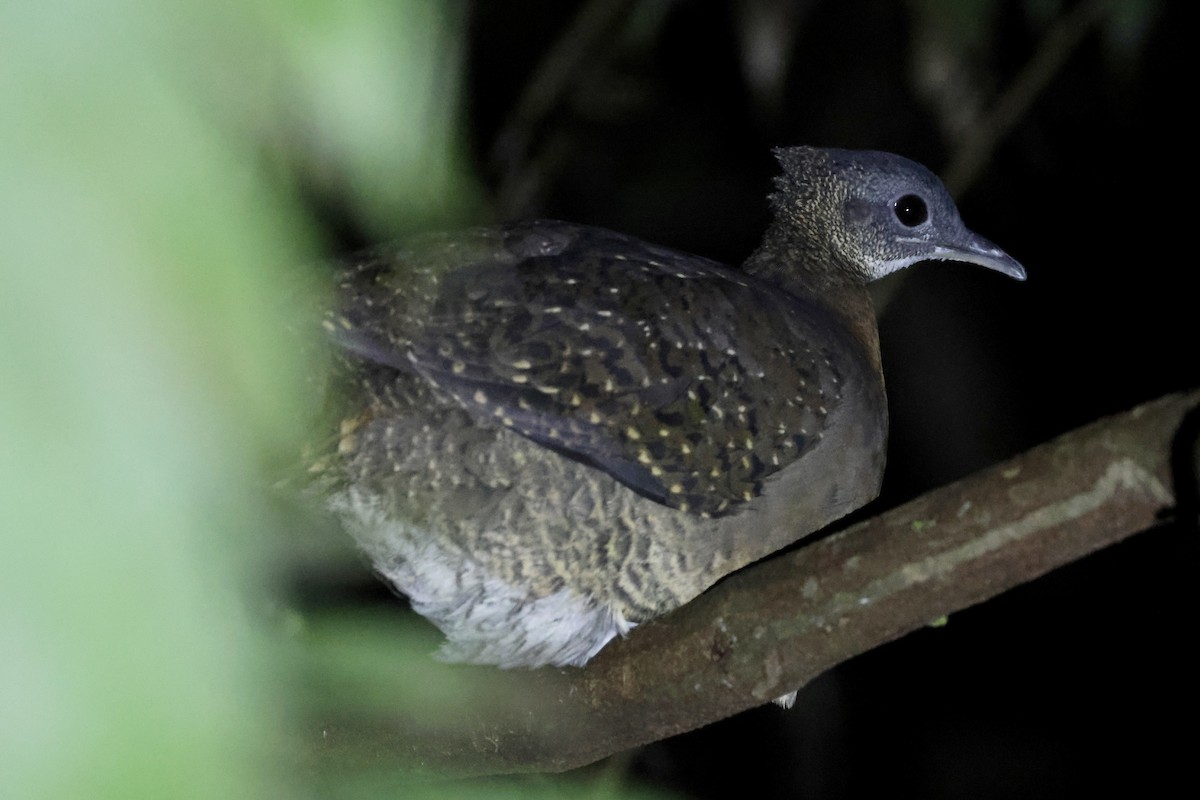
[[648, 120]]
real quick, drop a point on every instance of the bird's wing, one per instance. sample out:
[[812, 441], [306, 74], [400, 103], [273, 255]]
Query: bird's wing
[[687, 381]]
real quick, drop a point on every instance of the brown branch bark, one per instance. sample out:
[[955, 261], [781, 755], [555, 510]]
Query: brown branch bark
[[778, 624]]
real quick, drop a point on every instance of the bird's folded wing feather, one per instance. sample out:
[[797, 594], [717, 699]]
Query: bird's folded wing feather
[[687, 381]]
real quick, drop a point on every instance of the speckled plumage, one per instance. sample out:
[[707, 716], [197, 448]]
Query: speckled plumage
[[552, 432]]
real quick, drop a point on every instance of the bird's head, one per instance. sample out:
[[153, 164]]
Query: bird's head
[[873, 213]]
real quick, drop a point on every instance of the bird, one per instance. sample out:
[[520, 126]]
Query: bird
[[546, 433]]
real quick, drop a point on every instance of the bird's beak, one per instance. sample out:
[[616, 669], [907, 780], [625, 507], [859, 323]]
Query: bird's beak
[[978, 250]]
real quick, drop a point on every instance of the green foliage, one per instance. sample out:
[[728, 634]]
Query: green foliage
[[149, 365]]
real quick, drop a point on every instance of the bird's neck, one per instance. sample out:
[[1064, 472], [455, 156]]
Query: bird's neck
[[814, 274]]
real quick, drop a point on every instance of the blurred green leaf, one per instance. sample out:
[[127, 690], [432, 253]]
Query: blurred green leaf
[[150, 366], [369, 115]]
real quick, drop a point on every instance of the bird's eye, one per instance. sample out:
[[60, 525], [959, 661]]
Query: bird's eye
[[911, 210]]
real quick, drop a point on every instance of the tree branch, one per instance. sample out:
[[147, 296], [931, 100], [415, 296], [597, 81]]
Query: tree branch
[[778, 624]]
